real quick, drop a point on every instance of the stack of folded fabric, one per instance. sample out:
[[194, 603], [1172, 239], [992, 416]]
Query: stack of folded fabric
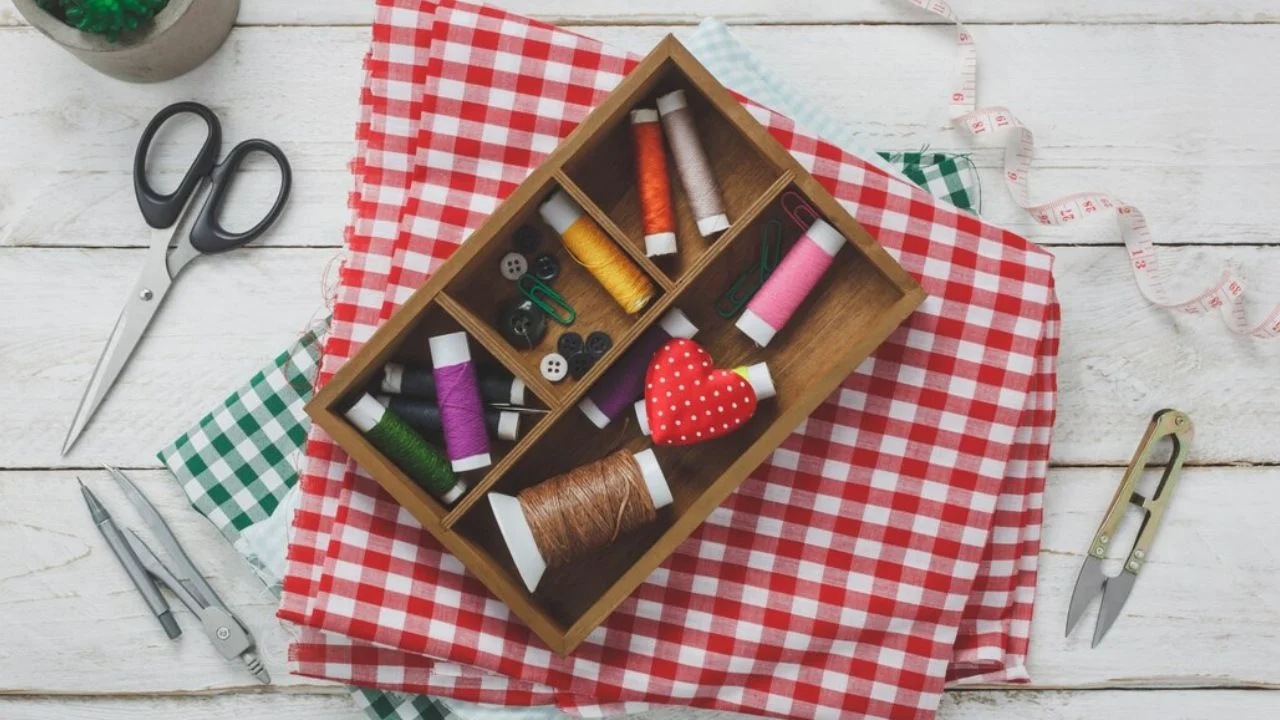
[[887, 546]]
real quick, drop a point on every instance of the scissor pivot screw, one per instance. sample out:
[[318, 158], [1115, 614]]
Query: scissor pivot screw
[[223, 633], [146, 294], [1139, 554], [1104, 539], [1133, 564], [1099, 551]]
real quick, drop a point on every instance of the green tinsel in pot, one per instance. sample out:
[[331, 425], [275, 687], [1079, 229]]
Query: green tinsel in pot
[[108, 18]]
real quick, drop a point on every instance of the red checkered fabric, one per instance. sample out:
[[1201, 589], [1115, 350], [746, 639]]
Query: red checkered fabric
[[888, 545]]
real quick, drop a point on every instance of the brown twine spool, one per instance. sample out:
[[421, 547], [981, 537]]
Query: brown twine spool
[[587, 507]]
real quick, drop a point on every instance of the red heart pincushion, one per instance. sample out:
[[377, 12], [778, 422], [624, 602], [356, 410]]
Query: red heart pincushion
[[689, 401]]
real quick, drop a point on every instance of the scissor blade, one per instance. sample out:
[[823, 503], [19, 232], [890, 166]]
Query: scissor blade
[[1088, 584], [129, 328], [1114, 595], [186, 573]]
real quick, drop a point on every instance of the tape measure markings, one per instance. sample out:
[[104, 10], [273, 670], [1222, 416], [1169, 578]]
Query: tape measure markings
[[1225, 296]]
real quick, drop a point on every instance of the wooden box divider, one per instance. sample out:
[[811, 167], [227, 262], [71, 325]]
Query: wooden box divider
[[613, 231], [857, 304]]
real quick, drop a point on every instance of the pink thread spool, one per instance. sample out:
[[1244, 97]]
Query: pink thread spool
[[793, 280]]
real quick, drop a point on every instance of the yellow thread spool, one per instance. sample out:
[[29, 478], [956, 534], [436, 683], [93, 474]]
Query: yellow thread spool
[[588, 244]]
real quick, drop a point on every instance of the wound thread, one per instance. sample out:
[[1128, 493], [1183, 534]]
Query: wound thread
[[623, 383], [419, 382], [424, 416], [591, 248], [796, 276], [658, 214], [587, 507], [691, 161], [419, 459], [458, 394]]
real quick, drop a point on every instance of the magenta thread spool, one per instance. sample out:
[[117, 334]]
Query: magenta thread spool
[[792, 281], [623, 383], [419, 382], [461, 410]]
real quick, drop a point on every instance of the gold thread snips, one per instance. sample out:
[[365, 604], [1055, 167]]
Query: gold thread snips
[[1115, 590]]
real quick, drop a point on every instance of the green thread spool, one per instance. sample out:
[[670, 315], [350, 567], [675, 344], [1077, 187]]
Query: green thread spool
[[418, 458]]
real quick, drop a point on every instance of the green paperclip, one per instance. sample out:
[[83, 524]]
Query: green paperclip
[[744, 286], [547, 299]]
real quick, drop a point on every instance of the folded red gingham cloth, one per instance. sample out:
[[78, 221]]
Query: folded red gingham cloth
[[888, 545]]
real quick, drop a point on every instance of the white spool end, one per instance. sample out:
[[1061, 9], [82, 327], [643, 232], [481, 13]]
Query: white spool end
[[454, 493], [677, 324], [366, 413], [642, 417], [519, 538], [509, 425], [392, 378], [560, 211], [517, 392], [760, 380], [654, 479], [713, 224], [672, 102], [472, 462], [825, 237], [449, 349], [660, 244], [644, 115], [592, 411], [754, 327]]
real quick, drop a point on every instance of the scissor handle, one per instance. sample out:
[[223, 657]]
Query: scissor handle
[[161, 210], [207, 234]]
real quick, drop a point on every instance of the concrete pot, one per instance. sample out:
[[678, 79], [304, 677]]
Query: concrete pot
[[182, 35]]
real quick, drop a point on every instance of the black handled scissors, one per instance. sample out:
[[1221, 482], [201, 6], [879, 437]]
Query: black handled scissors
[[167, 256]]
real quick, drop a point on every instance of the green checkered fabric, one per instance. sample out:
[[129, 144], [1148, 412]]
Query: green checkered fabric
[[236, 464], [950, 177], [396, 706]]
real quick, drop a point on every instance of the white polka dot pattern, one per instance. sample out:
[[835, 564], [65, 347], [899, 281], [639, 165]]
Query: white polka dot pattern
[[705, 403]]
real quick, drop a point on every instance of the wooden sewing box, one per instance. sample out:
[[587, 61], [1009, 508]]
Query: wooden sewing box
[[858, 302]]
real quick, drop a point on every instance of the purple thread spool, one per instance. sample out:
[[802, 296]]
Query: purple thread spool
[[458, 394], [612, 396]]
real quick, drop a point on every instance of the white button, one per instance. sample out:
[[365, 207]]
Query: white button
[[554, 367], [513, 265]]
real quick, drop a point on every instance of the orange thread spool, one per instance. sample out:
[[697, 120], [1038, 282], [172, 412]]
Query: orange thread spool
[[654, 183]]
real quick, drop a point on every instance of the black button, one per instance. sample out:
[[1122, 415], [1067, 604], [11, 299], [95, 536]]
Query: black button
[[522, 323], [598, 343], [545, 267], [525, 239], [570, 343], [579, 364]]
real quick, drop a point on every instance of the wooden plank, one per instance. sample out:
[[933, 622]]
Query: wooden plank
[[281, 706], [1196, 164], [744, 12], [1009, 705], [225, 318], [73, 622], [1086, 705], [1200, 616]]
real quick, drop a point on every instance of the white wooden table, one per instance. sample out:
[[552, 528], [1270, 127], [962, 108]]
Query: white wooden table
[[1171, 104]]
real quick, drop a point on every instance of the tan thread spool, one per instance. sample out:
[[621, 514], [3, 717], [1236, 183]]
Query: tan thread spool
[[550, 524]]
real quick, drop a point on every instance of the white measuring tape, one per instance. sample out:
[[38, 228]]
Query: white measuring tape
[[1226, 295]]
